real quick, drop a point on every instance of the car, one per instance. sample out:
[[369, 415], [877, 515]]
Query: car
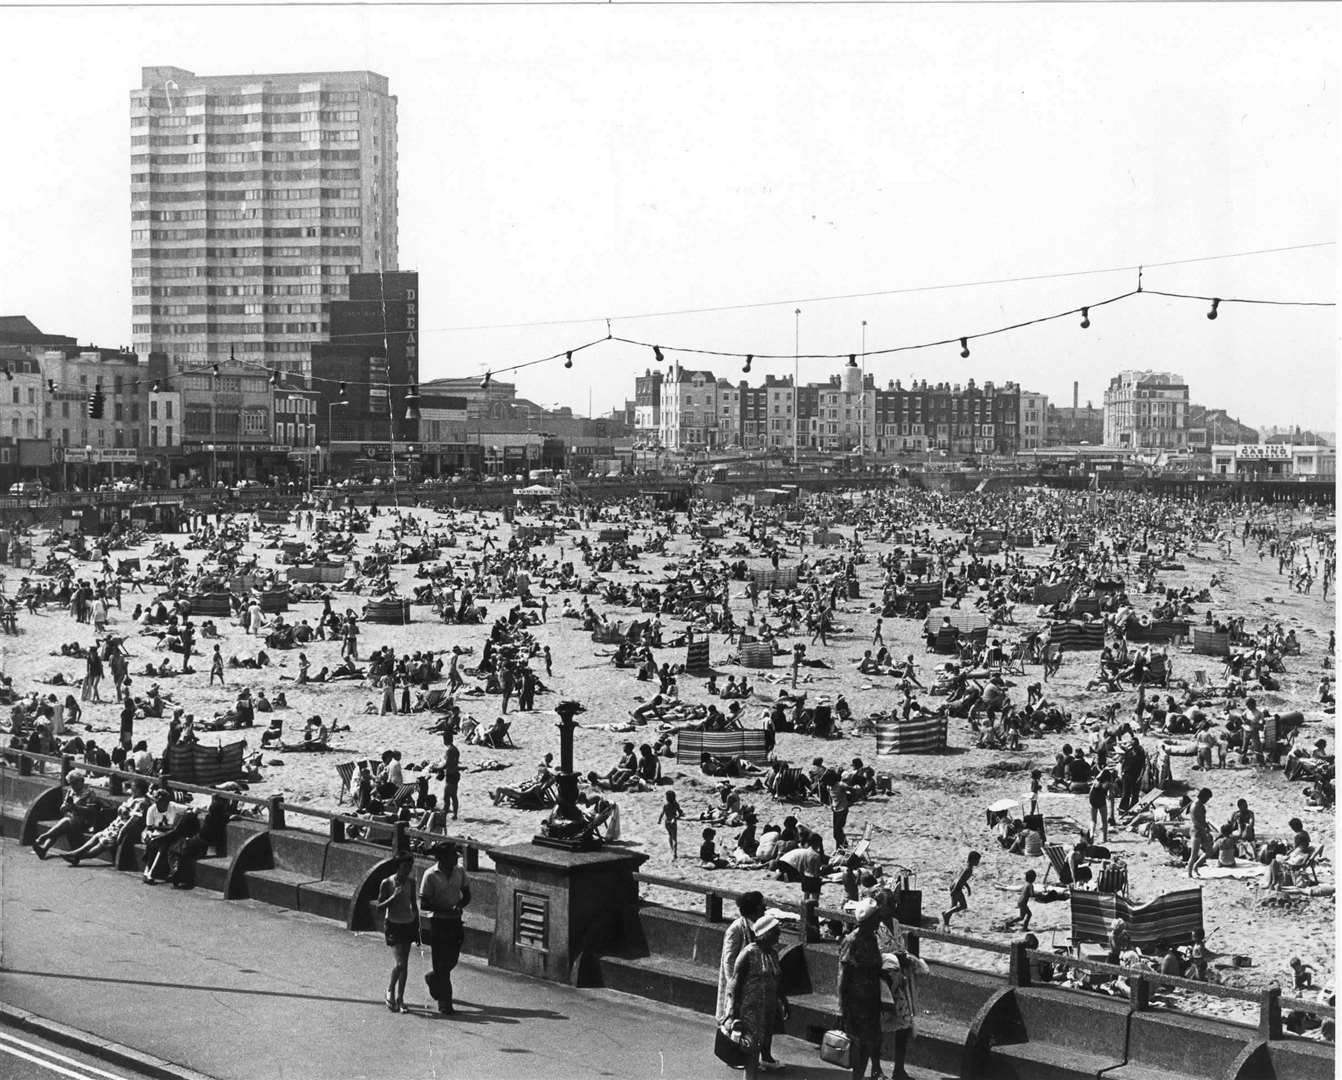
[[29, 488]]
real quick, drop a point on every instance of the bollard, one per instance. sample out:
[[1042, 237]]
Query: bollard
[[471, 859], [337, 831], [713, 907], [25, 765], [67, 763], [276, 811], [115, 786], [399, 841], [810, 919], [1139, 993], [1020, 965], [1269, 1013]]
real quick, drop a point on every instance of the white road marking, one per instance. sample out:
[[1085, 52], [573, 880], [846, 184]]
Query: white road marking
[[89, 1071]]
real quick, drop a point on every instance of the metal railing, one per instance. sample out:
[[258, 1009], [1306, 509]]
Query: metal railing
[[1268, 1001]]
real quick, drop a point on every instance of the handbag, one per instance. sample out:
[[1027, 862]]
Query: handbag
[[836, 1048], [727, 1049]]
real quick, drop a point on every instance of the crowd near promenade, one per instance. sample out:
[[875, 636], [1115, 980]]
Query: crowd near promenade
[[997, 699]]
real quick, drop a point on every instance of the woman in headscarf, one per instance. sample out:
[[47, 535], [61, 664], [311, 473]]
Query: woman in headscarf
[[860, 989], [755, 1001]]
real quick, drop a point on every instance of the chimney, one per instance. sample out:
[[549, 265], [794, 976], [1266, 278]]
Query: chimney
[[1076, 396]]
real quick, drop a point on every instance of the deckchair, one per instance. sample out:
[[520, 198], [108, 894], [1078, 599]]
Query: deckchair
[[498, 740], [434, 700], [1057, 864], [1307, 873], [1014, 664], [790, 786], [346, 771], [1112, 878]]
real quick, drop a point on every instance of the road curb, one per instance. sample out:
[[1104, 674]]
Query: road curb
[[105, 1049]]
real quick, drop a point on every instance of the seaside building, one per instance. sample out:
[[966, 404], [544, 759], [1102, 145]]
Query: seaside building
[[843, 415], [1146, 410], [1033, 423], [253, 200]]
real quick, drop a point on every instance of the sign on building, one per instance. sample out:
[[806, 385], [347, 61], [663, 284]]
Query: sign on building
[[1263, 452]]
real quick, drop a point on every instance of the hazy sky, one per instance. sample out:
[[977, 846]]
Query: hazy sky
[[567, 163]]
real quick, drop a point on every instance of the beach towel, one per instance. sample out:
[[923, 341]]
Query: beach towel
[[1244, 870]]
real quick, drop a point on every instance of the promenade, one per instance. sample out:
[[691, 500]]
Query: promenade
[[238, 990]]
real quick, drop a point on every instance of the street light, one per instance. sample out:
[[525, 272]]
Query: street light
[[862, 405], [330, 434], [796, 389]]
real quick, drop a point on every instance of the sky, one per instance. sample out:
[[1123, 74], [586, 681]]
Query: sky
[[562, 165]]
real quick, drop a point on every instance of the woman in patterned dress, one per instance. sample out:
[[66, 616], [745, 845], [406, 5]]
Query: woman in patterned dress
[[902, 969], [738, 935]]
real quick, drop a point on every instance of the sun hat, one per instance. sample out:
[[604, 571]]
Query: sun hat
[[865, 908], [763, 925]]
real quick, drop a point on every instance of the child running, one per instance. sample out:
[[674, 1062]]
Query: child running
[[960, 890], [670, 814]]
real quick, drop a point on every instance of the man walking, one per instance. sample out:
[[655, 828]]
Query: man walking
[[444, 891]]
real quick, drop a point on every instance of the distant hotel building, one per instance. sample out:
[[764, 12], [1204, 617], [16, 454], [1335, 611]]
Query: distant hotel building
[[846, 414], [253, 200], [1146, 410]]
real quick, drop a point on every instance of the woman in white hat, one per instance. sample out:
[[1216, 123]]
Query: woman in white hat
[[860, 989], [755, 1001]]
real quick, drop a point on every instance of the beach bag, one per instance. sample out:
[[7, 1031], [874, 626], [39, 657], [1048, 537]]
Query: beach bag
[[729, 1048], [836, 1048]]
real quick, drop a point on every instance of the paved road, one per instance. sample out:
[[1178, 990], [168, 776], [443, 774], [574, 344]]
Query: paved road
[[25, 1056], [237, 990]]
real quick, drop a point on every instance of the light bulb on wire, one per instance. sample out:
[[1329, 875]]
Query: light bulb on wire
[[749, 358], [1085, 318], [964, 348], [484, 383], [568, 359], [1216, 303]]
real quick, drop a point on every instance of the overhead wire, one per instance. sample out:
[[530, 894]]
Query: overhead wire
[[659, 348]]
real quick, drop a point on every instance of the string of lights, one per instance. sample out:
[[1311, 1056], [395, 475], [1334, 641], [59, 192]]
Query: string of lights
[[659, 350]]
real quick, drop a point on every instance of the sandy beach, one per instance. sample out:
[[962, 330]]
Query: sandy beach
[[935, 815]]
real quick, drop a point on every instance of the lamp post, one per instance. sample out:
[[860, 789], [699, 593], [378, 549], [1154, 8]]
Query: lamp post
[[796, 389], [566, 827], [862, 406], [330, 435]]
